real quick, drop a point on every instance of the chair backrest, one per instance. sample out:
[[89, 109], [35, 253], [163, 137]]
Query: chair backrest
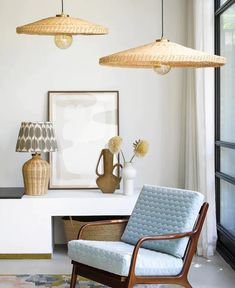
[[162, 210]]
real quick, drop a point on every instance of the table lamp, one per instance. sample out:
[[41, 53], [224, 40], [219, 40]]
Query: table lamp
[[37, 138]]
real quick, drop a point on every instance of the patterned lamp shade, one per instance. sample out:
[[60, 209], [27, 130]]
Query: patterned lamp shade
[[36, 137]]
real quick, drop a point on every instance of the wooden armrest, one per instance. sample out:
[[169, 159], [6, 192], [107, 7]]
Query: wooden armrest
[[98, 223], [156, 238], [165, 237]]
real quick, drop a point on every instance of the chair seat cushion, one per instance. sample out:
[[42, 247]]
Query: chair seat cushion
[[115, 257]]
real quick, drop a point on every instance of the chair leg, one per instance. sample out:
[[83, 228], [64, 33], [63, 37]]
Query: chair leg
[[73, 277], [187, 284], [130, 283]]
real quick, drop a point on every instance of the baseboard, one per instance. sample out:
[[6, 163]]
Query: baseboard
[[228, 257], [25, 256]]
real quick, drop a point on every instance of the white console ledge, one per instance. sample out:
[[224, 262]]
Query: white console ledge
[[26, 224]]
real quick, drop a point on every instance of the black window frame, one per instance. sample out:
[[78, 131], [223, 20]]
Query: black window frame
[[226, 241]]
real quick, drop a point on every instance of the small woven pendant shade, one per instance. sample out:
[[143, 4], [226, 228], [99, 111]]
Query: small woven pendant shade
[[62, 24], [162, 52]]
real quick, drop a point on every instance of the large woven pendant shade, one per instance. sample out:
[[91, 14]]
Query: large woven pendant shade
[[162, 52], [162, 55], [62, 24]]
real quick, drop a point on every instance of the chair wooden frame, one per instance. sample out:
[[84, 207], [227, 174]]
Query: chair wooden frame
[[117, 281]]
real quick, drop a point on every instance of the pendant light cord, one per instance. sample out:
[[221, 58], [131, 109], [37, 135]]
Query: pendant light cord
[[162, 19], [62, 6]]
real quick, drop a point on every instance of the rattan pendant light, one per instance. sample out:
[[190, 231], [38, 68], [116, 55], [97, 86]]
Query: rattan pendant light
[[161, 56], [62, 26]]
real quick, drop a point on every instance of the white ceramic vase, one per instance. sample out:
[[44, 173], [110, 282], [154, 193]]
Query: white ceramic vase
[[128, 176]]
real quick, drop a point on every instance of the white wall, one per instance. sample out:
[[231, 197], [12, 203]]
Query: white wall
[[150, 105]]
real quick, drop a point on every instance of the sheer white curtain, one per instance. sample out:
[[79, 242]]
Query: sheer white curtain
[[199, 160]]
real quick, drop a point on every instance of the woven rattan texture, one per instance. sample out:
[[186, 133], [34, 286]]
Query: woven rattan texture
[[162, 52], [112, 232], [36, 176], [62, 25]]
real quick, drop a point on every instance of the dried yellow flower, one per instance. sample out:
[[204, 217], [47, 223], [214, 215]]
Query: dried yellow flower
[[114, 144], [141, 148]]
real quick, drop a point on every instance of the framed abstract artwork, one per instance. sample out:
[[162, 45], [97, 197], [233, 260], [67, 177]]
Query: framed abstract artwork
[[83, 122]]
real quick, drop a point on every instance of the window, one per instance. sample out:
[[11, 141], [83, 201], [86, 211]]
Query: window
[[225, 128], [222, 2]]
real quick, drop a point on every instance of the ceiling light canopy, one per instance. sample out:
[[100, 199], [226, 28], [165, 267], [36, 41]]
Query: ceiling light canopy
[[162, 55], [62, 26]]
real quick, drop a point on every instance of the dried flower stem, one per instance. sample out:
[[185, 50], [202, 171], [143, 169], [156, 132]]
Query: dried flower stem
[[123, 157], [132, 158]]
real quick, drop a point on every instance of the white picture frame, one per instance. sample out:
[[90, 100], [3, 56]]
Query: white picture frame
[[83, 121]]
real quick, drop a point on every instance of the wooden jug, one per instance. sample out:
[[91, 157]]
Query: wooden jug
[[107, 182]]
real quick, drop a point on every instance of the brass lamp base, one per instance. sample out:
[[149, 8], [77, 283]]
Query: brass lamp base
[[36, 173]]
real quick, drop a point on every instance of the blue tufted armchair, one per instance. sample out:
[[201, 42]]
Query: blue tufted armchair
[[157, 245]]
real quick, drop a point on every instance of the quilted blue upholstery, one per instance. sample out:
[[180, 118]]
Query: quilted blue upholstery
[[161, 210], [115, 257]]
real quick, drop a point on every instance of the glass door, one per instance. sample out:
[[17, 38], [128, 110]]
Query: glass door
[[225, 129]]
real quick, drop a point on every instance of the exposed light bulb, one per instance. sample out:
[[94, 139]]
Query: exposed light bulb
[[162, 69], [63, 41]]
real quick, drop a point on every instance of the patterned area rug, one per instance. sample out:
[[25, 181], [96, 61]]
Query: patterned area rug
[[58, 281], [43, 281]]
